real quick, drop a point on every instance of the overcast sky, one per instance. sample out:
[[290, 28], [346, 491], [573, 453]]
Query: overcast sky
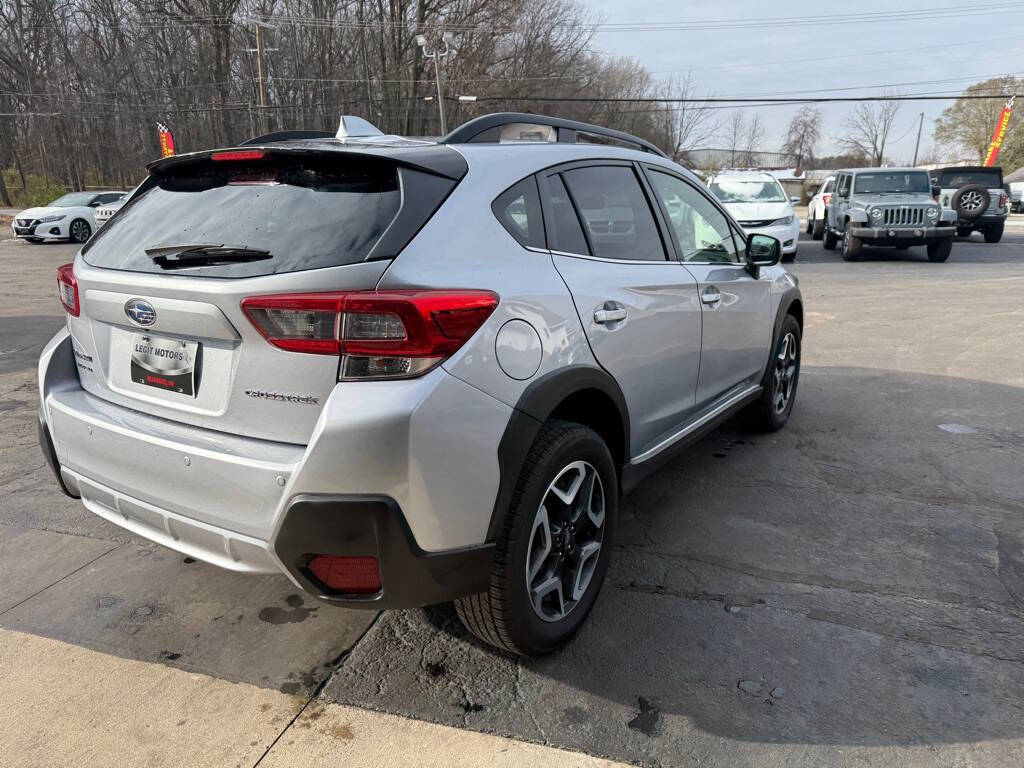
[[797, 59]]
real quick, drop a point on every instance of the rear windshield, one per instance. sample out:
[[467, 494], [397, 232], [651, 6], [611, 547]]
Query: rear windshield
[[307, 213], [899, 181], [987, 179]]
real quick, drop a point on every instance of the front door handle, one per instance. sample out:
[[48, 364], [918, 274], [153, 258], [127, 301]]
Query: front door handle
[[711, 296], [602, 316]]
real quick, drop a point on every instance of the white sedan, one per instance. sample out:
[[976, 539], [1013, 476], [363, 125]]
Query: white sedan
[[71, 217], [757, 201]]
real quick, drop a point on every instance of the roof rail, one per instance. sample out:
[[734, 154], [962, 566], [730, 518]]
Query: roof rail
[[489, 128], [270, 138]]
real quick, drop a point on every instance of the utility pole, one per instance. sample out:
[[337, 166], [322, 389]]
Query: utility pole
[[917, 144], [258, 50], [436, 55]]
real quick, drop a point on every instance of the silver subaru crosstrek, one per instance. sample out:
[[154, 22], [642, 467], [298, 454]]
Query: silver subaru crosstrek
[[404, 372]]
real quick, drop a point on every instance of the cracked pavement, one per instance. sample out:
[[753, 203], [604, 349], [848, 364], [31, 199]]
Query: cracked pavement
[[848, 591]]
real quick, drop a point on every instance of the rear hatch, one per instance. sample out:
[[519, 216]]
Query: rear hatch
[[161, 328]]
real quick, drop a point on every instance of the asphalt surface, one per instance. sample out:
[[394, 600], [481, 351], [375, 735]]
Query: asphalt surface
[[847, 591]]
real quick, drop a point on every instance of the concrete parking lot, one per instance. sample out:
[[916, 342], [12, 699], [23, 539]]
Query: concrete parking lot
[[848, 591]]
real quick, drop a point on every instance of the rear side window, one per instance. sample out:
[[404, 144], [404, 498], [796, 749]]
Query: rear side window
[[988, 179], [828, 186], [618, 220], [566, 232], [518, 210], [307, 212]]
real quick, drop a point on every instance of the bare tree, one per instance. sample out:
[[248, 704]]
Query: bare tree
[[753, 139], [866, 129], [681, 126], [803, 133]]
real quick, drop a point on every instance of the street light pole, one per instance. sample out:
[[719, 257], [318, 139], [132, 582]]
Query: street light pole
[[447, 38]]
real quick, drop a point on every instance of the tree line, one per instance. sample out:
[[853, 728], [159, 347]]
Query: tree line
[[83, 82]]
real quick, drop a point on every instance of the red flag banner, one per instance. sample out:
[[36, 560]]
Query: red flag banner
[[166, 140], [1000, 133]]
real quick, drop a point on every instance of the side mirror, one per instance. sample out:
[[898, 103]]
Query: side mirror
[[762, 251], [95, 204], [936, 191], [795, 200]]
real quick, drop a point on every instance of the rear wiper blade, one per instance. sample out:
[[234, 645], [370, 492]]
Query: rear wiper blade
[[203, 255]]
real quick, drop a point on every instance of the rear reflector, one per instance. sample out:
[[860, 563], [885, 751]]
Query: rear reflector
[[237, 154], [67, 287], [378, 335], [359, 575]]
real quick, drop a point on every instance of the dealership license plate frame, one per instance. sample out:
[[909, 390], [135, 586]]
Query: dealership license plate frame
[[165, 363]]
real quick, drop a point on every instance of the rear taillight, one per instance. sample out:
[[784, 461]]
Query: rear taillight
[[1002, 200], [346, 574], [67, 287], [396, 334], [826, 197]]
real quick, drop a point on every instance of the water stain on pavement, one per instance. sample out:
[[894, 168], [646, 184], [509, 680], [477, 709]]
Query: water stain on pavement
[[648, 720], [274, 615]]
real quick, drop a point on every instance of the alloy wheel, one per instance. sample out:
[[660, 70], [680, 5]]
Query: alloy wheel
[[971, 201], [784, 372], [565, 541], [79, 231]]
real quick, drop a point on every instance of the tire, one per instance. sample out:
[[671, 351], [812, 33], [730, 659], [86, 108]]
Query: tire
[[851, 245], [764, 414], [807, 229], [79, 231], [994, 234], [970, 201], [788, 258], [939, 250], [830, 240], [964, 231], [505, 615], [818, 230]]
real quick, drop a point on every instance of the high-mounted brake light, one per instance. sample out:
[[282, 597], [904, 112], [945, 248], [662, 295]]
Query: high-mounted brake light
[[237, 154], [395, 334], [67, 287]]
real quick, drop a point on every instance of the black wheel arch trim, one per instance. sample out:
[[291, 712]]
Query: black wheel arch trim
[[537, 402]]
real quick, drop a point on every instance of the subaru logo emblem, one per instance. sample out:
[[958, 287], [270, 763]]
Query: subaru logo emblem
[[140, 312]]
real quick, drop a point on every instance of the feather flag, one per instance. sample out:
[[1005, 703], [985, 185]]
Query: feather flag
[[1000, 133], [166, 140]]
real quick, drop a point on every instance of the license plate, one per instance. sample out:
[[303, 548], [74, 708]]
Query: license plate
[[167, 364]]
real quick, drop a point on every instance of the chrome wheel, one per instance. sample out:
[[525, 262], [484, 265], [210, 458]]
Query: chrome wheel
[[565, 541], [80, 231], [784, 373]]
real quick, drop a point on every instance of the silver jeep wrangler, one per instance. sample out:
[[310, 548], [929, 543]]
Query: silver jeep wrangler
[[888, 207]]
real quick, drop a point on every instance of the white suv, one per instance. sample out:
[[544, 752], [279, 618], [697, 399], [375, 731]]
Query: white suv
[[817, 209], [759, 204], [404, 372]]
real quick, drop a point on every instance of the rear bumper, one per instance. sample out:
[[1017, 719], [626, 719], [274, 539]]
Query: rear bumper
[[985, 220], [911, 235], [424, 450]]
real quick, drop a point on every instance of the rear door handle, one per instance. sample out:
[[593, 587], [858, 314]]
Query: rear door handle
[[711, 296], [602, 316]]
